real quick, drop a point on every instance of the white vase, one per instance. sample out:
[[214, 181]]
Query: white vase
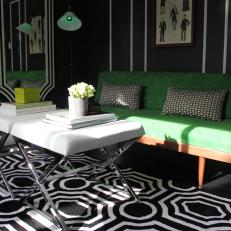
[[77, 107]]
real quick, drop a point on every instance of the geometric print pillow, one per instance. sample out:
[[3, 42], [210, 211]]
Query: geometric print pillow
[[121, 95], [31, 83], [202, 104]]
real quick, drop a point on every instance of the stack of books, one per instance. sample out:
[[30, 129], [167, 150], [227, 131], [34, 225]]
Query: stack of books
[[94, 109], [12, 108], [62, 118]]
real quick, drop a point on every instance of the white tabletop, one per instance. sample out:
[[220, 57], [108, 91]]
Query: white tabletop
[[7, 121], [66, 142]]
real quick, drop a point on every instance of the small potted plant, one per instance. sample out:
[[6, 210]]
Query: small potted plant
[[78, 98]]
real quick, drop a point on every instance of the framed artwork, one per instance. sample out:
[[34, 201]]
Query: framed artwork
[[36, 39], [173, 23]]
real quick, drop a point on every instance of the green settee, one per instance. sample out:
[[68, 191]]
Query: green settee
[[203, 138], [26, 78]]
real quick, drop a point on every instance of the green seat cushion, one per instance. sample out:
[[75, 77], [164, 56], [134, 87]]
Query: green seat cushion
[[207, 134], [155, 85], [26, 75]]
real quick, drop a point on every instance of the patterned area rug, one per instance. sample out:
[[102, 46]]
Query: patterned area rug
[[88, 205]]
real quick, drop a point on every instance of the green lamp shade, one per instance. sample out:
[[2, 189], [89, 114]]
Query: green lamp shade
[[25, 28], [69, 21]]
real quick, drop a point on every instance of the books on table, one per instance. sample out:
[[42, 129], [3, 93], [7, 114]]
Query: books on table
[[28, 110], [94, 109], [62, 118], [14, 105]]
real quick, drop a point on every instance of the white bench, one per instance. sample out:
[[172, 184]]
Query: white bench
[[6, 123], [62, 143]]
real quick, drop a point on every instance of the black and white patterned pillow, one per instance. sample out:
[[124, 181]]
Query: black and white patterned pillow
[[13, 83], [203, 104], [121, 95], [31, 83]]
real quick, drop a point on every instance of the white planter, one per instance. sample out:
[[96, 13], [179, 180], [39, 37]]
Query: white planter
[[77, 107]]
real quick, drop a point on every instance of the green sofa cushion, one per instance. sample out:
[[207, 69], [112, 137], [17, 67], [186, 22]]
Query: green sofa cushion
[[201, 133], [156, 84], [25, 75]]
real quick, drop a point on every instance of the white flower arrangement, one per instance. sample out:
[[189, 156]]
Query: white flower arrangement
[[81, 90]]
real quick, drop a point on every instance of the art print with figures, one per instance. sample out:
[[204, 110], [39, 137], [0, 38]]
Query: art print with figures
[[37, 39], [173, 23]]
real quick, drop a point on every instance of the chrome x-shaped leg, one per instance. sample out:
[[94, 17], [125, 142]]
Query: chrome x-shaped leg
[[120, 176], [40, 180], [111, 158], [40, 184], [4, 137]]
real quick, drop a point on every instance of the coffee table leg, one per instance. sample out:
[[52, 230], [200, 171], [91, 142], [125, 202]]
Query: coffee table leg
[[4, 137], [46, 173], [120, 176], [43, 189], [7, 184], [72, 166]]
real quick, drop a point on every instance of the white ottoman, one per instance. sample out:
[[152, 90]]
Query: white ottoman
[[63, 142], [6, 124]]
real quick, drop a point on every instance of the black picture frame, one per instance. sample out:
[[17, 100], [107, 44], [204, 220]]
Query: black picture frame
[[173, 23]]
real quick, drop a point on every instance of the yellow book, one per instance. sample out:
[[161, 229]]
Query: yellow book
[[27, 95]]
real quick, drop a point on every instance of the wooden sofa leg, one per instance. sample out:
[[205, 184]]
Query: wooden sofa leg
[[201, 171]]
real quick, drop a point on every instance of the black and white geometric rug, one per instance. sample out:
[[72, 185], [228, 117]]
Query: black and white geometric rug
[[88, 205]]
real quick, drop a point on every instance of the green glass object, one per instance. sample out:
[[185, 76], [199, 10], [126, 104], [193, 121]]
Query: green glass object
[[25, 28], [69, 22]]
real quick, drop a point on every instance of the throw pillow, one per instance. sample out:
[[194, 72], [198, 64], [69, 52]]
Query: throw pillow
[[203, 104], [13, 83], [121, 95], [27, 83]]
